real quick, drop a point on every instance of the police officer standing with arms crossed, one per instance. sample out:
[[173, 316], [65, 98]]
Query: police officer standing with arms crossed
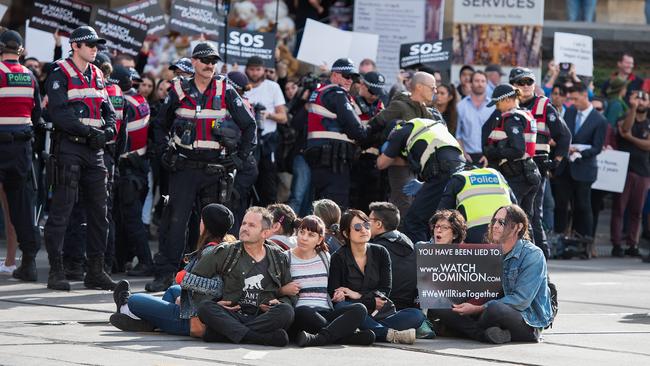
[[212, 134], [20, 109], [84, 121]]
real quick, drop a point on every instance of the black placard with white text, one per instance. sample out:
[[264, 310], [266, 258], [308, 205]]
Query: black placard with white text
[[62, 15], [122, 33], [243, 44], [193, 17], [435, 54], [147, 11]]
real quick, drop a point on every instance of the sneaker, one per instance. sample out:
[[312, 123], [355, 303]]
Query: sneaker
[[401, 336], [497, 335], [128, 324], [7, 269], [632, 252], [617, 251], [425, 331], [121, 294]]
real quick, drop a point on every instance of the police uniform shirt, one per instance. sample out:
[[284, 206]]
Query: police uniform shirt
[[397, 142], [62, 114], [36, 111], [336, 101], [558, 129], [515, 145]]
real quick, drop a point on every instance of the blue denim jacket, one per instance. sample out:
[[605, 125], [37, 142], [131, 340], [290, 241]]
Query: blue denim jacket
[[525, 284]]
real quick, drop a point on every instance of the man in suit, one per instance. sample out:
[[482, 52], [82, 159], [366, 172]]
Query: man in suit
[[574, 176]]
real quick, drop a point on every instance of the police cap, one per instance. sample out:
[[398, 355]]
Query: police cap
[[501, 92], [11, 42], [120, 75], [205, 49], [375, 82], [345, 66], [183, 64], [101, 58], [520, 73], [86, 34]]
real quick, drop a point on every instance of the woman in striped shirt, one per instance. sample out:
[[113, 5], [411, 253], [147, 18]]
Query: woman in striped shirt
[[316, 323]]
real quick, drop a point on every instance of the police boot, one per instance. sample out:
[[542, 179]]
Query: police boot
[[56, 279], [96, 277], [27, 269], [73, 269], [161, 282]]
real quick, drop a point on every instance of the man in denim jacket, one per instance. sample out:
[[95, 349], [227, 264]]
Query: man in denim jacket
[[525, 309]]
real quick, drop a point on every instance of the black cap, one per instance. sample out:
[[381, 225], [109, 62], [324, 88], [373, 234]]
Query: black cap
[[375, 82], [494, 68], [217, 219], [85, 34], [254, 61], [205, 49], [345, 66], [101, 58], [135, 76], [519, 73], [501, 92], [184, 64], [238, 79], [11, 41], [120, 76]]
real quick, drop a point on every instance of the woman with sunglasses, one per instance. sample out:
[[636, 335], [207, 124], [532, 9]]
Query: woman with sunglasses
[[525, 309], [360, 272]]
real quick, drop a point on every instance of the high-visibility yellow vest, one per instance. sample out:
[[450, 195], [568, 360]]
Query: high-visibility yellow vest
[[433, 132], [484, 192]]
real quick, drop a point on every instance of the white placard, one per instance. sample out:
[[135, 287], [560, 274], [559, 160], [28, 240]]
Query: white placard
[[612, 170], [576, 49], [396, 22], [40, 44], [3, 10], [322, 43], [511, 12]]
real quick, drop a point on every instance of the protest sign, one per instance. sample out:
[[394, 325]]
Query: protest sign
[[62, 15], [576, 49], [612, 171], [243, 44], [122, 33], [148, 11], [3, 10], [435, 54], [455, 273], [323, 44], [40, 44], [190, 17]]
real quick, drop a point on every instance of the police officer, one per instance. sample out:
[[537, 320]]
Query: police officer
[[212, 134], [84, 120], [182, 68], [367, 182], [477, 193], [434, 155], [20, 110], [332, 128], [511, 146], [132, 184], [550, 125]]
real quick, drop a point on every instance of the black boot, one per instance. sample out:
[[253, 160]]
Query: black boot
[[141, 270], [96, 277], [56, 279], [304, 339], [364, 337], [73, 269], [27, 269], [161, 282]]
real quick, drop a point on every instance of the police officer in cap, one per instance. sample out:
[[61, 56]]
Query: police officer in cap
[[20, 110], [434, 155], [511, 146], [550, 126], [84, 120], [212, 134], [332, 129], [182, 67]]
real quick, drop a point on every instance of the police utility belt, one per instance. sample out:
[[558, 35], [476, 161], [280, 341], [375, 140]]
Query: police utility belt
[[9, 137], [525, 167], [338, 151], [177, 161]]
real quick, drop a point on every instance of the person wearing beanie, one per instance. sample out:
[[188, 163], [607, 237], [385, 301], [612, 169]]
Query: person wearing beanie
[[145, 313]]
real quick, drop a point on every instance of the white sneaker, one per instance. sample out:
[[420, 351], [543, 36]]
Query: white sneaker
[[7, 269], [401, 336]]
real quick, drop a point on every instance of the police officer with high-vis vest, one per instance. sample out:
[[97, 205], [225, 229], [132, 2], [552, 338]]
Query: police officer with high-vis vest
[[84, 121], [477, 193], [333, 126], [368, 185], [212, 135], [550, 126], [434, 155], [20, 110], [511, 146], [131, 184]]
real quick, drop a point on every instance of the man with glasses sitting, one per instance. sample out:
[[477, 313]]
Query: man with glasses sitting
[[212, 134]]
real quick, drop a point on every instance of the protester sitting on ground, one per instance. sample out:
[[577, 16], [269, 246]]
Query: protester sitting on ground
[[253, 270], [328, 211], [173, 313], [447, 227], [316, 323], [525, 309], [284, 219], [360, 272]]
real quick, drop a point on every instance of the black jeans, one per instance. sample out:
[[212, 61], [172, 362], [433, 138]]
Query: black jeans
[[496, 315], [336, 324], [578, 194], [328, 184], [233, 326], [425, 204], [538, 211], [267, 179]]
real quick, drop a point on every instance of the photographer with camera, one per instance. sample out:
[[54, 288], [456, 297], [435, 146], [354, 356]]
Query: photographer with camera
[[212, 135]]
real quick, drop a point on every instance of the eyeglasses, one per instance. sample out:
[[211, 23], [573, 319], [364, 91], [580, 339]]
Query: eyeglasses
[[501, 222], [209, 60], [90, 45], [358, 226], [442, 227], [600, 109], [525, 82]]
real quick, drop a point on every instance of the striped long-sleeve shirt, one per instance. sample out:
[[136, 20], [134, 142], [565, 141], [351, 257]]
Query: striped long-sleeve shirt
[[311, 274]]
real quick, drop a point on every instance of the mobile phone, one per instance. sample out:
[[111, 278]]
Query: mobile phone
[[564, 68]]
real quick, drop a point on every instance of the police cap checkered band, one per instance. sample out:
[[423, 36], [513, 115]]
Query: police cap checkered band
[[502, 92], [205, 49], [344, 66], [85, 34], [504, 96], [184, 64]]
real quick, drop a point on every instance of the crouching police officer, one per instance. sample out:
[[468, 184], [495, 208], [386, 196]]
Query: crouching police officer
[[84, 120], [212, 135], [432, 153], [20, 110], [511, 146]]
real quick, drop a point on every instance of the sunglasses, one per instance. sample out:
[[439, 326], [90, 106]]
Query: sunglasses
[[525, 82], [501, 222], [209, 60], [358, 226], [599, 109], [90, 45]]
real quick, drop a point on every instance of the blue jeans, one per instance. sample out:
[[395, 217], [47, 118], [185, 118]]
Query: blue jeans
[[300, 186], [402, 320], [162, 313], [581, 10]]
